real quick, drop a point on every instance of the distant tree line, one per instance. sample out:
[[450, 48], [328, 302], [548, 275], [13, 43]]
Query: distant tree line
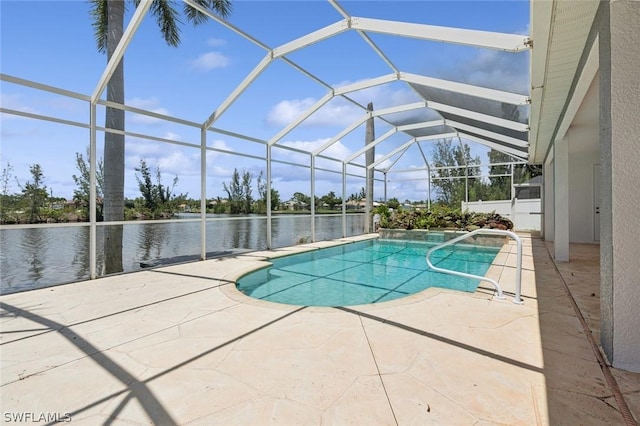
[[34, 203], [455, 162]]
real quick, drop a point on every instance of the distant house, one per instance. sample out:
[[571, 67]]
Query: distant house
[[294, 204], [360, 204], [355, 204]]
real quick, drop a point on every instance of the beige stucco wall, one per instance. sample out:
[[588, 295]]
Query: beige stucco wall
[[619, 36]]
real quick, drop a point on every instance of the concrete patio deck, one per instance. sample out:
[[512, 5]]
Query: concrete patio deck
[[180, 345]]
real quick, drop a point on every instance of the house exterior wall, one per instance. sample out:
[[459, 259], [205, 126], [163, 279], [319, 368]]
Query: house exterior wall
[[583, 154], [524, 219], [619, 40], [549, 206]]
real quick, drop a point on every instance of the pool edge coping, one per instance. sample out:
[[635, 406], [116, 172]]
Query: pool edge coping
[[232, 292]]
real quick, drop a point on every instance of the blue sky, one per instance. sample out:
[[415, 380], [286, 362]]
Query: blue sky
[[51, 42]]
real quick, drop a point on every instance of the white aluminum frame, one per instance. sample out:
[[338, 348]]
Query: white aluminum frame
[[362, 26]]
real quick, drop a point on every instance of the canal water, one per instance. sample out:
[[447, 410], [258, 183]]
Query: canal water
[[45, 256]]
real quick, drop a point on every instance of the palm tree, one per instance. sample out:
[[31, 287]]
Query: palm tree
[[108, 24]]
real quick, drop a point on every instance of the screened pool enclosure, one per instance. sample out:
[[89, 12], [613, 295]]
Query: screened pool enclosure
[[291, 106]]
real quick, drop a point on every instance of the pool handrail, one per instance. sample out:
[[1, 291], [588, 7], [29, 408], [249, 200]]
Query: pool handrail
[[517, 298]]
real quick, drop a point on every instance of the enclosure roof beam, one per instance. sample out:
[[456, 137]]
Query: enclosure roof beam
[[365, 84], [505, 149], [118, 53], [483, 39], [227, 24], [311, 38], [342, 134], [466, 89], [313, 108], [393, 163], [364, 36], [400, 108], [402, 147], [421, 125], [409, 143], [369, 114], [436, 137], [489, 119], [487, 133], [369, 146], [250, 78], [336, 92]]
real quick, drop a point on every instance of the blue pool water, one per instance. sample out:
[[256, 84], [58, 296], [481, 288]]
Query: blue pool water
[[364, 272]]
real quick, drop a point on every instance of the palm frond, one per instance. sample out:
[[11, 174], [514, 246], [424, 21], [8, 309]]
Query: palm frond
[[99, 24], [220, 7], [168, 20]]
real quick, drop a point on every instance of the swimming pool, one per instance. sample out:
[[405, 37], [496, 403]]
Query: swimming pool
[[364, 272]]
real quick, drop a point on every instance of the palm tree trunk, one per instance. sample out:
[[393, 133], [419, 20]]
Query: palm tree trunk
[[114, 146], [370, 155]]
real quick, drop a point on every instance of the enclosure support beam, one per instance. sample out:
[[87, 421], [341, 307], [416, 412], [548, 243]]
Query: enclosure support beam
[[561, 201], [269, 245], [426, 162], [385, 187], [429, 189], [313, 199], [93, 257], [513, 197], [203, 193], [344, 200], [466, 184]]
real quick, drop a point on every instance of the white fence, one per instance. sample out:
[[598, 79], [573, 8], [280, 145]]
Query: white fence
[[525, 214]]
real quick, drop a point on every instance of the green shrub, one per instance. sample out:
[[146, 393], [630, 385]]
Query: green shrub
[[441, 218]]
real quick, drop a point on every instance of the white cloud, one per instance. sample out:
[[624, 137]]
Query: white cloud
[[172, 136], [284, 112], [141, 148], [338, 111], [210, 60], [220, 144], [216, 42], [148, 104], [496, 70], [337, 150], [14, 101], [177, 163], [218, 171], [383, 96]]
